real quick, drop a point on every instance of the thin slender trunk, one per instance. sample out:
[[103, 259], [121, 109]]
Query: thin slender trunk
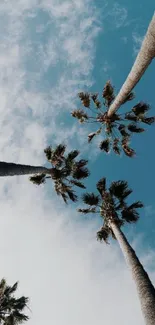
[[11, 169], [144, 58], [146, 291]]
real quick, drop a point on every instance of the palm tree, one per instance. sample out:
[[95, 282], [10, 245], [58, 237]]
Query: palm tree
[[113, 208], [11, 308], [144, 58], [117, 129], [66, 172]]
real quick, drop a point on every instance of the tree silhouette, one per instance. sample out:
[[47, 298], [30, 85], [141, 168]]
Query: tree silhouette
[[11, 308]]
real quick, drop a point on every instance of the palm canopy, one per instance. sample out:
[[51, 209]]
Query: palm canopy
[[117, 129], [11, 308], [66, 171], [111, 205]]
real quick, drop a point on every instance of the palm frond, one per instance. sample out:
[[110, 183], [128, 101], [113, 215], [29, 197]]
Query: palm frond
[[59, 150], [133, 128], [127, 150], [136, 205], [103, 234], [86, 211], [76, 183], [80, 173], [101, 185], [105, 145], [131, 117], [72, 155], [93, 134], [85, 98], [148, 120], [122, 130], [115, 146], [120, 190], [80, 115], [38, 179], [130, 215], [141, 108], [81, 163], [90, 199], [48, 153], [108, 93]]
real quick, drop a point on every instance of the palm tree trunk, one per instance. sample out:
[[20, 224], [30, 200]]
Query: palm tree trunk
[[11, 169], [145, 289], [144, 58]]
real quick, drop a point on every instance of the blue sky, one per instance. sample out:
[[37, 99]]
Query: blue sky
[[49, 51]]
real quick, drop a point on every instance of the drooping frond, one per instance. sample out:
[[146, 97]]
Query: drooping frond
[[38, 179], [131, 117], [48, 153], [122, 130], [127, 150], [86, 211], [140, 109], [81, 163], [105, 145], [85, 98], [148, 120], [65, 191], [101, 185], [115, 146], [80, 115], [108, 93], [133, 128], [91, 199], [130, 215], [76, 183], [103, 234], [136, 205], [80, 173], [120, 190]]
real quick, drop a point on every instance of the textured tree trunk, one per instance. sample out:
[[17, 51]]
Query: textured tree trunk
[[144, 58], [11, 169], [146, 291]]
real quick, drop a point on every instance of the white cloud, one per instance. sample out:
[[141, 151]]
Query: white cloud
[[137, 41]]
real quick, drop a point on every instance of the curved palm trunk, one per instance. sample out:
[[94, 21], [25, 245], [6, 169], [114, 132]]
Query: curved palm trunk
[[11, 169], [144, 58], [145, 289]]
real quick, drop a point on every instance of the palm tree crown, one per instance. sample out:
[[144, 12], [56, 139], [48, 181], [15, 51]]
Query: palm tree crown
[[66, 172], [116, 128], [11, 308], [112, 206]]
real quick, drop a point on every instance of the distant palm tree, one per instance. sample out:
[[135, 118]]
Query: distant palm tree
[[112, 206], [11, 308], [144, 58], [66, 172], [117, 129]]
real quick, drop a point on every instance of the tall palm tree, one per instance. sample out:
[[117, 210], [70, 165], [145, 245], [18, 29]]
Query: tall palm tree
[[144, 58], [66, 172], [118, 128], [11, 308], [112, 206]]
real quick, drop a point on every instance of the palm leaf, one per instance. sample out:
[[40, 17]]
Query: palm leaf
[[133, 128], [115, 146], [59, 150], [140, 109], [91, 199], [130, 215], [105, 145], [120, 190], [85, 98], [101, 185], [72, 155], [80, 173], [86, 211], [108, 93], [131, 117], [76, 183], [127, 150], [91, 136], [122, 130], [129, 97], [136, 205], [48, 153], [38, 179], [80, 115]]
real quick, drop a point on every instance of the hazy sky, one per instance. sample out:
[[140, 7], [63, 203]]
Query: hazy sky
[[49, 51]]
